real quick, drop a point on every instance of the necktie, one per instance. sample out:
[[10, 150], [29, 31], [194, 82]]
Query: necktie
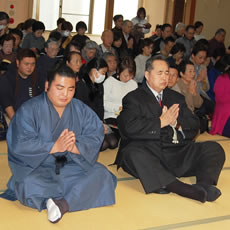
[[159, 99]]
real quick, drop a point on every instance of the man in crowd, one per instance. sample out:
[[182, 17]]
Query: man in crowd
[[157, 131], [20, 82]]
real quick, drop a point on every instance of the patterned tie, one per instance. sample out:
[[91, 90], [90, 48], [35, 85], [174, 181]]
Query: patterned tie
[[159, 99]]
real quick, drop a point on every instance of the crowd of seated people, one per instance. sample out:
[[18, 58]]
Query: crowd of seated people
[[127, 84], [183, 46]]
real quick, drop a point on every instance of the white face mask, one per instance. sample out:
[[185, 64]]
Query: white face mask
[[66, 33], [99, 79]]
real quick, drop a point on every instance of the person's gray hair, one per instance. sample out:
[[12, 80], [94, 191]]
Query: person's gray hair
[[179, 25], [150, 61], [220, 31], [125, 22], [108, 54], [91, 45], [49, 41]]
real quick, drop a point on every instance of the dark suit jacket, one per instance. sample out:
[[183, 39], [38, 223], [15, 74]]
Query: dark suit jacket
[[139, 126], [124, 50]]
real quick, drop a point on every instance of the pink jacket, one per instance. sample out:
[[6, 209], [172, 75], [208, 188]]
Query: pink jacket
[[222, 108]]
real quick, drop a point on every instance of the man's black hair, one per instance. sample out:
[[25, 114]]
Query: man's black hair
[[62, 70]]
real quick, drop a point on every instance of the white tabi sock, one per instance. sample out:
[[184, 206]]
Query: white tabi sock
[[54, 212]]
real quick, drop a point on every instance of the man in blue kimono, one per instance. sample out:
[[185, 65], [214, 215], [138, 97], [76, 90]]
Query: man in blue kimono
[[53, 142]]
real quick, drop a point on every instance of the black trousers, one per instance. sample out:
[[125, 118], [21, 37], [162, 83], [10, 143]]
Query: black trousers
[[205, 165]]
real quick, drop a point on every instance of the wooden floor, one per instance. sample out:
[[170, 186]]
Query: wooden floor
[[133, 209]]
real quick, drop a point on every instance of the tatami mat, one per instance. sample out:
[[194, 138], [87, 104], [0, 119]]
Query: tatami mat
[[133, 209]]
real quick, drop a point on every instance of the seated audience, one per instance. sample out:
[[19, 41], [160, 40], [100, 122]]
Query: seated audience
[[7, 54], [117, 42], [146, 48], [55, 35], [156, 33], [141, 20], [89, 89], [221, 116], [90, 51], [27, 27], [59, 24], [54, 141], [188, 40], [116, 89], [73, 60], [157, 131], [18, 35], [217, 43], [198, 30], [179, 30], [107, 41], [177, 54], [47, 61], [80, 37], [19, 83], [4, 22], [188, 86], [111, 61], [128, 44], [35, 41], [140, 25], [66, 29], [168, 43], [118, 21], [166, 31], [199, 54]]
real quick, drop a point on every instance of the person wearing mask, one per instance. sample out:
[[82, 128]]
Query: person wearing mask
[[89, 89]]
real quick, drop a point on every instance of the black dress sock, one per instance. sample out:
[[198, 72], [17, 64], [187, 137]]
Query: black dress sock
[[187, 190], [212, 191]]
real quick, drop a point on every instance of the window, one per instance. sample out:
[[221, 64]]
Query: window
[[75, 11]]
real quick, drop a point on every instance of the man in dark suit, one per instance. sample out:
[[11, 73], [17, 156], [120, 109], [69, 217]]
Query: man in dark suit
[[128, 44], [157, 132]]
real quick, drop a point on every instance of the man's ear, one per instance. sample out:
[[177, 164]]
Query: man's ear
[[46, 86], [17, 63], [147, 75]]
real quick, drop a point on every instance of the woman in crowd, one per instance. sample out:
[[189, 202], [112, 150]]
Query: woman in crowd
[[146, 48], [221, 116], [90, 51], [73, 60], [90, 90], [177, 53], [35, 40], [141, 21], [117, 42], [116, 89], [188, 86], [66, 29], [198, 30]]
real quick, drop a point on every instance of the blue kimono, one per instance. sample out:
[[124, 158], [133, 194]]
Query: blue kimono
[[82, 182]]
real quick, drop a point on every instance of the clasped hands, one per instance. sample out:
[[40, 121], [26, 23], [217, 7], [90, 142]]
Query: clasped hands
[[65, 142], [169, 116]]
